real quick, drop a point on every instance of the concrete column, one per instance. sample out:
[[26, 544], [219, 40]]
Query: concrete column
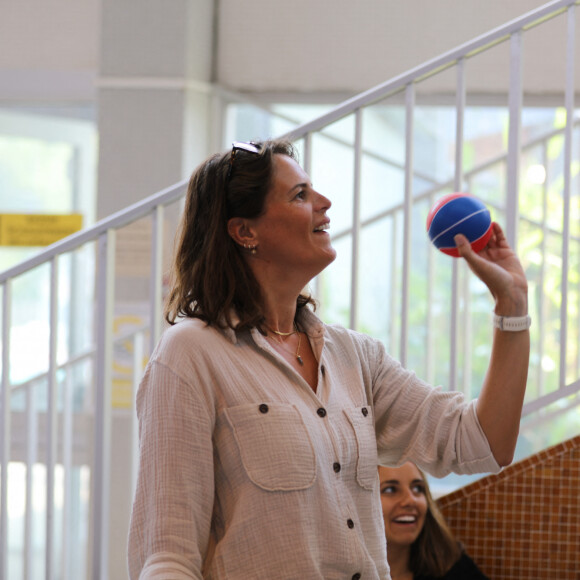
[[154, 120], [154, 88]]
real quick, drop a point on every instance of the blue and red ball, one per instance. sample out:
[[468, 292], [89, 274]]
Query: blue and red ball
[[459, 213]]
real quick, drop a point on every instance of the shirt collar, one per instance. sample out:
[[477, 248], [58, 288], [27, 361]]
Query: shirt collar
[[308, 321]]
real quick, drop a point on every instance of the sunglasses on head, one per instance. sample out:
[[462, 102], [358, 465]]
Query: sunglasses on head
[[241, 146]]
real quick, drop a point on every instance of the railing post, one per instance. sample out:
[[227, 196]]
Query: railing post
[[68, 541], [307, 164], [407, 221], [156, 290], [51, 418], [354, 272], [542, 298], [569, 100], [513, 160], [457, 186], [393, 340], [138, 353], [31, 458], [103, 361], [5, 389]]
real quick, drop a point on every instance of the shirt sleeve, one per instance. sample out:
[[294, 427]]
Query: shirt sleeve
[[414, 421], [170, 522]]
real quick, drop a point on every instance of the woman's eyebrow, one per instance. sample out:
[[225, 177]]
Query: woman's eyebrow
[[297, 186]]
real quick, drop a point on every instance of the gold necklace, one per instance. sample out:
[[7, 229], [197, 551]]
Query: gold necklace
[[297, 355], [279, 333]]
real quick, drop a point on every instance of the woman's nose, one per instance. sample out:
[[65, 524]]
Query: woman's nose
[[323, 202], [408, 498]]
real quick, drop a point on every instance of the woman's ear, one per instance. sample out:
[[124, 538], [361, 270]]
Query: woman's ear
[[242, 232]]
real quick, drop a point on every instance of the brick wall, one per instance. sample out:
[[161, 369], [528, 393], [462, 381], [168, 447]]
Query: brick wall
[[523, 523]]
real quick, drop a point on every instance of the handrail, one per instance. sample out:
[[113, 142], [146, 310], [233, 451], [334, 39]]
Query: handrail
[[174, 192], [440, 185], [92, 233], [79, 357]]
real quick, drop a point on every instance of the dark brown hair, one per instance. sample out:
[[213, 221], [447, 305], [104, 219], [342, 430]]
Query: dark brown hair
[[435, 551], [210, 277]]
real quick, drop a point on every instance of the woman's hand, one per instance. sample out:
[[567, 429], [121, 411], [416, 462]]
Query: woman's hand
[[498, 267], [499, 404]]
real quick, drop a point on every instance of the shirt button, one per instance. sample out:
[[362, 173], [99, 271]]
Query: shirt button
[[322, 369], [365, 411], [321, 412], [356, 576], [350, 523], [336, 466], [263, 408]]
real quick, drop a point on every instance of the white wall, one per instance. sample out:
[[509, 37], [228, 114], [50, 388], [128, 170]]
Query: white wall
[[53, 49], [48, 50], [55, 35], [345, 46]]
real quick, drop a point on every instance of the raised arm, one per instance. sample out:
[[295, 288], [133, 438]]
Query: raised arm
[[499, 405]]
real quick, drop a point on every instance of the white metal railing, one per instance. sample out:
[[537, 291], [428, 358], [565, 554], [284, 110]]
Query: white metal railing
[[62, 418], [511, 33], [101, 356]]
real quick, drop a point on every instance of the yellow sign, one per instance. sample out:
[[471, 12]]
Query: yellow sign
[[37, 229]]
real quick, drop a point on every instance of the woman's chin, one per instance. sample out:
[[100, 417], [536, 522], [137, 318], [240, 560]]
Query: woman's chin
[[331, 255]]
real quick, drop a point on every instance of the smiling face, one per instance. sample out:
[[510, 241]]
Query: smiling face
[[291, 232], [404, 503]]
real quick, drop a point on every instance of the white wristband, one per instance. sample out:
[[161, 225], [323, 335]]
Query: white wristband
[[512, 323]]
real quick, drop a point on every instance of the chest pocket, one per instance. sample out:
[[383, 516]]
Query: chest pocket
[[362, 422], [274, 445]]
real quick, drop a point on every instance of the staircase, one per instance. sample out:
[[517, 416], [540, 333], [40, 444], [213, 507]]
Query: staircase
[[67, 421]]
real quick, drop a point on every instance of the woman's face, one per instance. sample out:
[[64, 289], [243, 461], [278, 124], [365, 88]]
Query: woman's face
[[291, 232], [404, 503]]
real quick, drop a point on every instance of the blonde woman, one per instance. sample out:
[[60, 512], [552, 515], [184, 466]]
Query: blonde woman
[[420, 545]]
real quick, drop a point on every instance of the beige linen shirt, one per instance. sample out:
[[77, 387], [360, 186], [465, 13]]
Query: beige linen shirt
[[246, 472]]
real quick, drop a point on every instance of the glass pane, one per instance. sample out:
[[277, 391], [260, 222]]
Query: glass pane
[[332, 174], [377, 279], [333, 285]]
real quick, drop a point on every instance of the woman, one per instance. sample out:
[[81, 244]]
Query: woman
[[420, 546], [260, 426]]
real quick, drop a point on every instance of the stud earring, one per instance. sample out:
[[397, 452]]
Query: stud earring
[[252, 249]]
